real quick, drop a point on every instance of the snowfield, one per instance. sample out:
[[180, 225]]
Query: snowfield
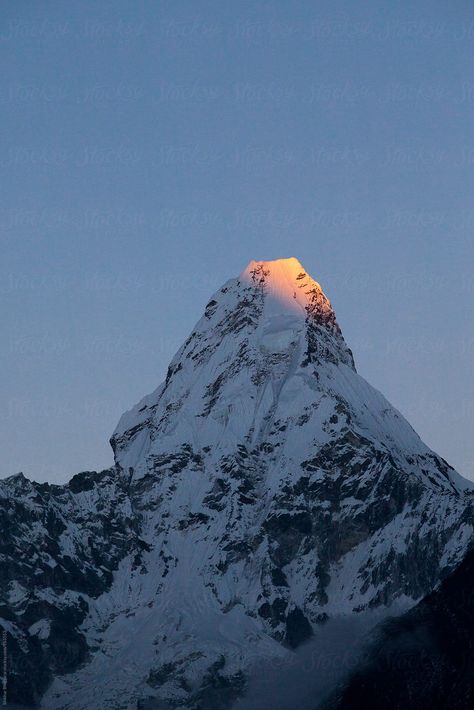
[[263, 489]]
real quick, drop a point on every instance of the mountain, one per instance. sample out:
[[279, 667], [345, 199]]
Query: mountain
[[262, 488], [423, 660]]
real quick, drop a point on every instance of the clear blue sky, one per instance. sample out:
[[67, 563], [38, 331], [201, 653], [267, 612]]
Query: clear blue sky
[[151, 149]]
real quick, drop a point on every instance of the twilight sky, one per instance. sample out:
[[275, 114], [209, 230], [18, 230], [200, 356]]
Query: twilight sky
[[151, 149]]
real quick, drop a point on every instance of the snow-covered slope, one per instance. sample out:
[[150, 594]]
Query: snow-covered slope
[[263, 487]]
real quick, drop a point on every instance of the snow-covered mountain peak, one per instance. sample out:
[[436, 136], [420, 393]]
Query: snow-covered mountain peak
[[281, 271], [261, 335], [288, 287], [267, 368], [261, 489]]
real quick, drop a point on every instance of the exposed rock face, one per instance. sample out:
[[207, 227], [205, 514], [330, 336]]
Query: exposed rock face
[[424, 660], [263, 487], [59, 546]]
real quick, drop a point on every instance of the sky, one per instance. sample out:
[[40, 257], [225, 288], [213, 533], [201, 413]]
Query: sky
[[151, 149]]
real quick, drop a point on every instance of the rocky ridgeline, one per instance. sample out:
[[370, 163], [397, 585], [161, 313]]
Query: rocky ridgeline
[[261, 489]]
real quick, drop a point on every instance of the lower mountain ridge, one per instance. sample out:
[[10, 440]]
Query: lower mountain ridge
[[262, 489], [424, 659]]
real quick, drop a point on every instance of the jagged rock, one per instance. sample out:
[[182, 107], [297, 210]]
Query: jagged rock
[[262, 488], [423, 660]]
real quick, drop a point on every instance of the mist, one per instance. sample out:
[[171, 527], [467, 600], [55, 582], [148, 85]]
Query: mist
[[316, 668]]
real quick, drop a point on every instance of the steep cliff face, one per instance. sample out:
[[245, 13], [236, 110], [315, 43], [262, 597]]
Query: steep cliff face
[[423, 660], [59, 547], [263, 487]]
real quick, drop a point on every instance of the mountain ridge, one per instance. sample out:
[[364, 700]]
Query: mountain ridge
[[263, 487]]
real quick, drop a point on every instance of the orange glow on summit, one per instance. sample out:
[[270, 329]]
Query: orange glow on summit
[[289, 286]]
